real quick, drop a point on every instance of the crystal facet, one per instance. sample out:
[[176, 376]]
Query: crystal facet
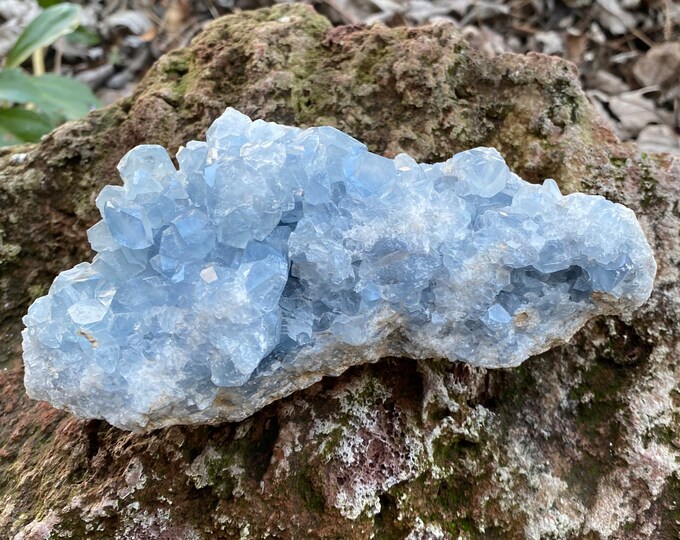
[[277, 255]]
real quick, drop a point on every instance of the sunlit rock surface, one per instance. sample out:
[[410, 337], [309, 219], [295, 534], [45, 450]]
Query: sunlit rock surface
[[277, 255]]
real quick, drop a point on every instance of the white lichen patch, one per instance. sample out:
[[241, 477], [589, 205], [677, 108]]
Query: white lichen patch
[[369, 447], [39, 529], [134, 477], [199, 470], [212, 464], [425, 531]]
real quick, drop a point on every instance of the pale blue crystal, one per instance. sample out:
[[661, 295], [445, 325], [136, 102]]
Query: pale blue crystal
[[277, 255]]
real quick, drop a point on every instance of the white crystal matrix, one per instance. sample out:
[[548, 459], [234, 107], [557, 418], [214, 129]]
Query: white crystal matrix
[[277, 255]]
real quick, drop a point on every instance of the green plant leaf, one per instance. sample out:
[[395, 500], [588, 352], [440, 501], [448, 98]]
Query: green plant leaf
[[63, 96], [17, 87], [59, 98], [45, 29], [21, 125], [84, 36], [48, 3]]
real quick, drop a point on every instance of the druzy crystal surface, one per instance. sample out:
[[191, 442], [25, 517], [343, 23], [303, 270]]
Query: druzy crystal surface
[[277, 255]]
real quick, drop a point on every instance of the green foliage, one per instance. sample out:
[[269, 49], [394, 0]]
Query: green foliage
[[45, 29], [64, 97], [32, 105], [21, 125], [83, 36], [48, 3]]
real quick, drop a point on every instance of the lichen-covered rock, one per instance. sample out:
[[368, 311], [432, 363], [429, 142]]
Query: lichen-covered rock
[[581, 442]]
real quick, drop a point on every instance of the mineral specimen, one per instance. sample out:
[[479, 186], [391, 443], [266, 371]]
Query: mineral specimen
[[277, 255]]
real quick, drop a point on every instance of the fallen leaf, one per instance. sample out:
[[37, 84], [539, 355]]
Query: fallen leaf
[[660, 66], [659, 139], [608, 83], [549, 42], [614, 18], [634, 111], [422, 11], [575, 44], [149, 35], [599, 102], [482, 11], [485, 40], [135, 22]]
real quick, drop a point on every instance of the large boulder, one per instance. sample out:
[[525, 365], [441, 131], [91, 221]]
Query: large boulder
[[581, 442]]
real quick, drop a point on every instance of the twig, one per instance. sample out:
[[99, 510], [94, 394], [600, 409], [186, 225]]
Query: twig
[[668, 23], [211, 8], [642, 37]]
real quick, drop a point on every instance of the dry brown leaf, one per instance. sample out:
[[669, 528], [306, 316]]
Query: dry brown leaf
[[659, 139], [174, 19], [599, 100], [614, 18], [149, 35], [608, 83], [421, 11], [485, 40], [549, 42], [659, 66], [135, 22], [634, 111], [575, 45]]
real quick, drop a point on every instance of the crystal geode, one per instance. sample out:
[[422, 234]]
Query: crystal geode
[[277, 255]]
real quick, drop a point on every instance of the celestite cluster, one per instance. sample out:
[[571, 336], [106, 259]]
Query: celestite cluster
[[278, 255]]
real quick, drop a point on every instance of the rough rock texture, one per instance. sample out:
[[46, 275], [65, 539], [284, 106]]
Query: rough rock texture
[[581, 442]]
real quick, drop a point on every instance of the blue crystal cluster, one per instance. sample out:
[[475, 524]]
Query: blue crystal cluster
[[277, 255]]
